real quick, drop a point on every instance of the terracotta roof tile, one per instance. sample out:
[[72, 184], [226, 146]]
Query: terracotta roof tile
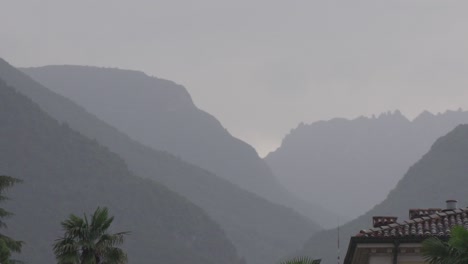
[[438, 223]]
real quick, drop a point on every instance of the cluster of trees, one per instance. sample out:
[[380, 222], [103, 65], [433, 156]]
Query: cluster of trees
[[86, 241], [8, 245]]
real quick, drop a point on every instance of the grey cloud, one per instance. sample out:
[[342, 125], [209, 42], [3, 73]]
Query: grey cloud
[[292, 60]]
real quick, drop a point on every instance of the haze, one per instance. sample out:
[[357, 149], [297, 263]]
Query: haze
[[261, 67]]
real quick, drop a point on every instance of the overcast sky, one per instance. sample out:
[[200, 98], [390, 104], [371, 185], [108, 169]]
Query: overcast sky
[[261, 66]]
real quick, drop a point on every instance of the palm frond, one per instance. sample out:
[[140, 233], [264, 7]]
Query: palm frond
[[7, 182], [302, 260], [115, 256], [86, 241], [459, 238], [13, 245], [435, 250]]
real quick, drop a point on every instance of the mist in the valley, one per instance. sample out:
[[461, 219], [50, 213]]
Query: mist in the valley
[[261, 67], [238, 132]]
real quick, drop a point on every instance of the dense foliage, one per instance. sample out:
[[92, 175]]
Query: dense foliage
[[302, 260], [89, 242], [455, 251], [8, 245]]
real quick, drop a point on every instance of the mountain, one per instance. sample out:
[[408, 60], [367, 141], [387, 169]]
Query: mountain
[[64, 173], [161, 114], [439, 175], [328, 162], [261, 231]]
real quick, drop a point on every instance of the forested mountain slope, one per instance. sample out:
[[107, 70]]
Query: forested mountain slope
[[328, 162], [261, 231], [440, 175], [161, 114], [64, 173]]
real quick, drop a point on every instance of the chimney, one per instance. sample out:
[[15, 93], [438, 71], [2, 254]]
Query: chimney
[[379, 221], [451, 204], [418, 213]]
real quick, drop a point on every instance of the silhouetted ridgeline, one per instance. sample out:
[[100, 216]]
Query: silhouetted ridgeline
[[262, 231], [161, 114], [66, 173], [441, 174], [331, 162]]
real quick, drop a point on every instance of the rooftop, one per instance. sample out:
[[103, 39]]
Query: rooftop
[[423, 222], [392, 237]]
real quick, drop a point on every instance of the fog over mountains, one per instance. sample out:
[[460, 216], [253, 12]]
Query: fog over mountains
[[161, 114], [331, 162], [65, 173], [439, 175], [261, 231], [345, 166], [328, 163], [262, 66], [230, 132]]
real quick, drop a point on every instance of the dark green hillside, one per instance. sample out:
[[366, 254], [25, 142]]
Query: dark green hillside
[[261, 231], [440, 175], [64, 172], [161, 114]]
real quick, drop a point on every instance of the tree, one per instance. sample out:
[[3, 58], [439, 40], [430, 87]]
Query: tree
[[7, 244], [87, 242], [454, 251], [302, 260]]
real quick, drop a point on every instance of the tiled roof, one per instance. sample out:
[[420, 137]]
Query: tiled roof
[[437, 224]]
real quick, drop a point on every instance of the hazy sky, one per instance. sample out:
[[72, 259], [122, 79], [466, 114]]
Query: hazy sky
[[261, 66]]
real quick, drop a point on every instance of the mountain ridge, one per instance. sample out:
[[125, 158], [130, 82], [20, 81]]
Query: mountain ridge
[[439, 175], [64, 172], [371, 151], [131, 102], [218, 197]]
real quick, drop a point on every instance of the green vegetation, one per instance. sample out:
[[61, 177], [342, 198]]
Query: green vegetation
[[87, 242], [302, 260], [7, 244], [454, 251]]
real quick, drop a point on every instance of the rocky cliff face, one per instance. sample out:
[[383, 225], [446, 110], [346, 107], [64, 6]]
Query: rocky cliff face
[[330, 162]]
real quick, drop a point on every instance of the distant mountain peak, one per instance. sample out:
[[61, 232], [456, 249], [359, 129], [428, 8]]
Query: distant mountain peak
[[313, 158], [64, 172], [158, 91], [395, 115], [443, 168], [424, 115], [185, 129]]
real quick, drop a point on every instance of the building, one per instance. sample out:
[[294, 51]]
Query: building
[[392, 242]]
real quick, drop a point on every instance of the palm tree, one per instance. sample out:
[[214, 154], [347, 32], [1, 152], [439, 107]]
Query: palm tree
[[454, 251], [87, 242], [7, 244], [302, 260]]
